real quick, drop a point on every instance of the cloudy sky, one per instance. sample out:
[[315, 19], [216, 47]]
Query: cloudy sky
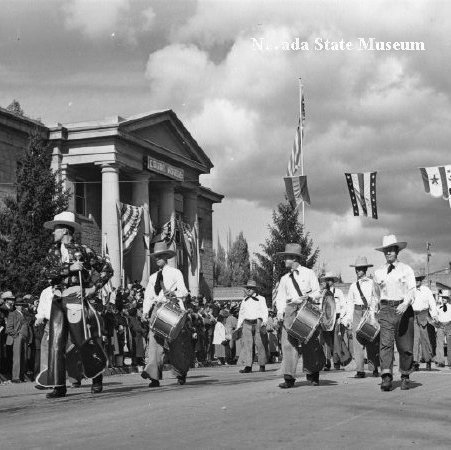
[[389, 111]]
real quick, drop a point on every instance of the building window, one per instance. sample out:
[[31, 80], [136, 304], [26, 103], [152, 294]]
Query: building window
[[80, 197]]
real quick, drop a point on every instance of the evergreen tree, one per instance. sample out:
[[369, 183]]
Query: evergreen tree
[[39, 197], [15, 108], [238, 261], [285, 229], [220, 271]]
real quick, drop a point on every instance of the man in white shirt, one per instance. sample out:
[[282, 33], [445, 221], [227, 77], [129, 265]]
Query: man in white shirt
[[396, 283], [425, 310], [166, 285], [253, 317], [295, 287], [443, 327], [362, 297]]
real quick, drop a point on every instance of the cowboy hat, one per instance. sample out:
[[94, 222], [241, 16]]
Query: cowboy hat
[[420, 275], [445, 293], [361, 261], [8, 295], [251, 284], [330, 276], [391, 241], [64, 218], [291, 250], [162, 251]]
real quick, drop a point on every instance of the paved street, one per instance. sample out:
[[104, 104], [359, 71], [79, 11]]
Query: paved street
[[220, 408]]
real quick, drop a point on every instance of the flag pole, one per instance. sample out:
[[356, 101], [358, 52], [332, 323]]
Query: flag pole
[[301, 138]]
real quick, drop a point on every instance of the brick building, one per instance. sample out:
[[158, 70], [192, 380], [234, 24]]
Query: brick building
[[148, 160]]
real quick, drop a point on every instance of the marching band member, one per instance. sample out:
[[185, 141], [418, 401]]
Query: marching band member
[[361, 297], [67, 261], [166, 285], [425, 310], [444, 327], [396, 282], [253, 316], [295, 287]]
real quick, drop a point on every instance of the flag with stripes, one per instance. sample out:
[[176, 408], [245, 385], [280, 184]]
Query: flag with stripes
[[130, 220], [107, 289], [362, 189], [437, 181], [297, 190], [296, 152]]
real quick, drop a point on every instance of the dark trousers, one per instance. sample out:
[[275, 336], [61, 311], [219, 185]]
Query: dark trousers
[[424, 337], [399, 328], [332, 343], [312, 352], [65, 319], [19, 357], [252, 336]]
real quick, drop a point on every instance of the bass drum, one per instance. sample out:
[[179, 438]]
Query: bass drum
[[307, 320], [329, 309], [167, 320]]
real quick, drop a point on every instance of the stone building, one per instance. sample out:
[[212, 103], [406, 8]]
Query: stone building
[[148, 160]]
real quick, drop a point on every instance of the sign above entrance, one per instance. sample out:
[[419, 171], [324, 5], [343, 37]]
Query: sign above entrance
[[164, 168]]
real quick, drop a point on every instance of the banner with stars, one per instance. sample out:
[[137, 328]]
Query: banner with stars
[[437, 181], [362, 189]]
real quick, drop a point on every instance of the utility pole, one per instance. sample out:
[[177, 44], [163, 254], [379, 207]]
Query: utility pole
[[428, 256]]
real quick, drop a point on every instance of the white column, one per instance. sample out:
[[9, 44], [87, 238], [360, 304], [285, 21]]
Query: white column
[[140, 264], [167, 208], [110, 222], [190, 213]]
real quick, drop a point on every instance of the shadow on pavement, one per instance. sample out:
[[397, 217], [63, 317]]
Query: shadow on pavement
[[412, 384]]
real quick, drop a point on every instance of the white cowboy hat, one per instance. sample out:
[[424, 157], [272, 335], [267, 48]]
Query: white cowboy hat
[[330, 276], [291, 250], [361, 261], [64, 218], [391, 241], [420, 275], [445, 293], [8, 295], [161, 250], [251, 284]]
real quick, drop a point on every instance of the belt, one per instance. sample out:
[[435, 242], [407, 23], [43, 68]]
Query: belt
[[252, 322], [391, 302], [360, 307]]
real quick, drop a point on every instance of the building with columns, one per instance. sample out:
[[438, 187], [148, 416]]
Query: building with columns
[[148, 160]]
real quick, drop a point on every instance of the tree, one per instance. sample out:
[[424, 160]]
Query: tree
[[15, 108], [39, 197], [238, 261], [221, 275], [285, 229]]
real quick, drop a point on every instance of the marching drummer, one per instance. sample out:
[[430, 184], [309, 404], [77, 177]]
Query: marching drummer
[[425, 310], [443, 327], [361, 298], [166, 285], [297, 286], [396, 283]]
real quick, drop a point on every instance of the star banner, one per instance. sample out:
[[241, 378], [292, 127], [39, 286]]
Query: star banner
[[437, 181]]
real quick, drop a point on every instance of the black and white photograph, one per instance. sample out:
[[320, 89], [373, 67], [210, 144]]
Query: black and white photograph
[[224, 224]]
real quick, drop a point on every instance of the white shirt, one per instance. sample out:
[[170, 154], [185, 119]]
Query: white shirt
[[354, 297], [45, 303], [308, 283], [340, 300], [396, 285], [251, 309], [172, 280], [219, 334], [423, 299]]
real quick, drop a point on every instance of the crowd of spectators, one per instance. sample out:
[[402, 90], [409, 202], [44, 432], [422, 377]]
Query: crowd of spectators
[[125, 333]]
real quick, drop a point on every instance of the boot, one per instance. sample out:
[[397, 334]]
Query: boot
[[386, 384], [262, 369], [360, 375], [97, 384], [247, 369], [181, 380], [405, 383], [429, 366], [288, 383], [314, 378], [59, 391], [154, 383], [416, 366]]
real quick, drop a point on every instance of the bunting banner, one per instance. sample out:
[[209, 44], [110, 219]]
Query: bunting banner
[[437, 181], [297, 190], [130, 217], [107, 289], [362, 189], [190, 238]]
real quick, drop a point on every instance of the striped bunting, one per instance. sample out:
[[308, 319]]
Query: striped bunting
[[362, 189], [130, 221], [437, 181]]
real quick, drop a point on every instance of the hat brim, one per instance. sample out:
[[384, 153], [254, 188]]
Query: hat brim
[[164, 254], [362, 265], [51, 224], [249, 286], [420, 277], [400, 245], [288, 254]]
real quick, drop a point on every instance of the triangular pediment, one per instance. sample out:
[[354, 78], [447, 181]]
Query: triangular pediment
[[166, 130]]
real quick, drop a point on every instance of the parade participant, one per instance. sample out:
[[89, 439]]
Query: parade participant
[[67, 263], [166, 285], [443, 327], [396, 283], [425, 310], [296, 287], [362, 297], [253, 317], [331, 338]]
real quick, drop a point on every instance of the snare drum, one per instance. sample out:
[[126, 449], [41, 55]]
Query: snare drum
[[368, 328], [307, 321], [167, 320]]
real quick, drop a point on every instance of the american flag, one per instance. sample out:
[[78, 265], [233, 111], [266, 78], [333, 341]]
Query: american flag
[[362, 189], [297, 190], [107, 289], [296, 152], [130, 220]]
